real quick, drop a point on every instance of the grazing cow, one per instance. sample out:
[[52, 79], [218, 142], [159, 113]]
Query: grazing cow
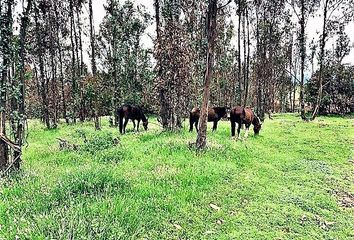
[[214, 115], [131, 112], [241, 115]]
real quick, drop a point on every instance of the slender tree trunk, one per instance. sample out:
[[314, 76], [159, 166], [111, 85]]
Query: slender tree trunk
[[157, 18], [93, 66], [244, 55], [73, 63], [261, 60], [162, 92], [239, 53], [53, 69], [302, 59], [211, 31], [321, 57], [60, 53], [43, 89], [80, 65], [116, 94], [258, 63], [21, 99], [5, 28], [247, 62]]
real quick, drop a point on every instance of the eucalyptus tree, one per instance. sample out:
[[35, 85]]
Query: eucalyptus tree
[[93, 66], [6, 8], [271, 27], [225, 70], [194, 24], [173, 52], [121, 52], [303, 9], [211, 28], [335, 13], [12, 84]]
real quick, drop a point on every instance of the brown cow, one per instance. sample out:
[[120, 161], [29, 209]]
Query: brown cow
[[214, 115], [127, 112], [241, 115]]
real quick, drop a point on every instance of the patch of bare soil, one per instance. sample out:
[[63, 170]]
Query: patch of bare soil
[[344, 199]]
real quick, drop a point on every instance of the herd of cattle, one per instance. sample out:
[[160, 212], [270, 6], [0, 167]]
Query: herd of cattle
[[239, 115]]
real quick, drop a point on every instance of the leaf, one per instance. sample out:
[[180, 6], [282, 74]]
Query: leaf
[[220, 221], [215, 207], [177, 226]]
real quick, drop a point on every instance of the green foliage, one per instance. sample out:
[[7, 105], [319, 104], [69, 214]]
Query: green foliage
[[338, 89], [128, 64], [286, 183]]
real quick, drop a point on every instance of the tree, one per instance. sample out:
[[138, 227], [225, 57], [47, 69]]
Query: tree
[[12, 85], [121, 55], [20, 103], [329, 8], [211, 33], [174, 63], [6, 29], [306, 9], [93, 65], [42, 75]]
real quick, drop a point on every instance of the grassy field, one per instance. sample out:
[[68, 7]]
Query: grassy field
[[294, 181]]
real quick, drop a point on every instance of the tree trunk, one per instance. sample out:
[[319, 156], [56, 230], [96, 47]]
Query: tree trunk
[[261, 58], [5, 32], [63, 98], [42, 77], [94, 68], [247, 61], [53, 69], [321, 58], [239, 53], [73, 63], [302, 58], [80, 65], [211, 31], [157, 18], [291, 76], [21, 100], [162, 92]]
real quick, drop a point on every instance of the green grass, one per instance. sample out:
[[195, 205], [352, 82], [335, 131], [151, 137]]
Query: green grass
[[287, 183]]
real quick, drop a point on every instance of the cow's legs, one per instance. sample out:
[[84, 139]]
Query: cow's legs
[[233, 126], [196, 125], [215, 126], [125, 124], [191, 124], [133, 124], [238, 130], [247, 130]]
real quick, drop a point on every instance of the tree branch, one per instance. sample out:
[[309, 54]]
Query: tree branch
[[13, 145], [219, 8]]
